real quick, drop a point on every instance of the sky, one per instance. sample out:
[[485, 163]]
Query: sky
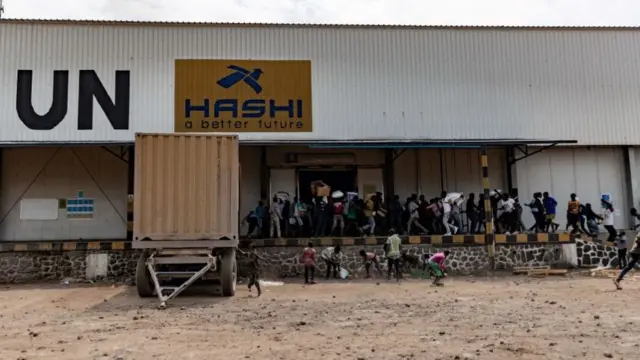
[[415, 12]]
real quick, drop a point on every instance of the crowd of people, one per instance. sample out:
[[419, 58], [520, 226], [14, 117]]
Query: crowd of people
[[447, 214], [351, 215], [398, 260]]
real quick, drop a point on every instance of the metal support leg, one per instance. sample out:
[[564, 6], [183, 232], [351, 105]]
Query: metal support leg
[[175, 291]]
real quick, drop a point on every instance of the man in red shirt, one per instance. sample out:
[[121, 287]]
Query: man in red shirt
[[309, 261], [338, 217]]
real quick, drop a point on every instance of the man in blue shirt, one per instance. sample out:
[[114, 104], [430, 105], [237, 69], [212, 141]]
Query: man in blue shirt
[[550, 205]]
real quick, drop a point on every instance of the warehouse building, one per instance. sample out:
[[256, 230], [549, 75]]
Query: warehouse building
[[400, 110]]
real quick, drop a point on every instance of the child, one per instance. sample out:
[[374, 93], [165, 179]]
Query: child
[[436, 265], [409, 260], [254, 268], [368, 259], [309, 261], [621, 245], [635, 257]]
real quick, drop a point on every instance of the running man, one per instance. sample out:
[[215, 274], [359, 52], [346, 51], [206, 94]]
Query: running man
[[436, 266], [254, 268], [635, 257], [573, 214], [550, 205], [369, 258]]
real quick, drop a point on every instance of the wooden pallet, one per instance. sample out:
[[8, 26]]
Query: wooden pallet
[[613, 273], [547, 272], [605, 272], [527, 269]]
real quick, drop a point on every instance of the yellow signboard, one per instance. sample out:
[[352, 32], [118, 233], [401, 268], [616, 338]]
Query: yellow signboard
[[242, 96]]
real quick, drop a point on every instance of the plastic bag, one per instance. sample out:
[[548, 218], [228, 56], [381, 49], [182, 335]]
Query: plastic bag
[[344, 273]]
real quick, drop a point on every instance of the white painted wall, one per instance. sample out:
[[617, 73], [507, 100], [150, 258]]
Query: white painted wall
[[588, 172], [282, 180], [59, 173], [97, 266]]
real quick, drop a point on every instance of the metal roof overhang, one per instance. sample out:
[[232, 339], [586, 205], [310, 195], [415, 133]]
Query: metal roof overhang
[[414, 144], [348, 144]]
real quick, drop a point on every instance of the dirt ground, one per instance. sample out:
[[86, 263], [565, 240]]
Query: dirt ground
[[494, 319]]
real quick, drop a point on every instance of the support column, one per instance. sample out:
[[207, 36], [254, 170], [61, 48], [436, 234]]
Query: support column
[[631, 181], [2, 189], [488, 212], [442, 170], [388, 179], [130, 189], [264, 176], [509, 156], [418, 172]]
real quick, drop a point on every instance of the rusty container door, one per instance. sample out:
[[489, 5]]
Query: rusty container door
[[186, 190]]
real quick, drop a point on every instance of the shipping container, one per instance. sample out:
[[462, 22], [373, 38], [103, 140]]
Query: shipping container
[[186, 188], [186, 203]]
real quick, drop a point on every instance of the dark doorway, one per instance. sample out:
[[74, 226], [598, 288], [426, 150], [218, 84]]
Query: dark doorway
[[343, 180]]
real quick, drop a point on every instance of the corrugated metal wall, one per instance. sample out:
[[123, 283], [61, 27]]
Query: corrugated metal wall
[[367, 83], [586, 172], [458, 170]]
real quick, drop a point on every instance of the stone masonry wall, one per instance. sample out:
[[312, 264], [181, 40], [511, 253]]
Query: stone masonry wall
[[20, 267], [592, 254], [285, 261], [510, 256]]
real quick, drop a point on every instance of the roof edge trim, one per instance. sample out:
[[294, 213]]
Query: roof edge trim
[[309, 25]]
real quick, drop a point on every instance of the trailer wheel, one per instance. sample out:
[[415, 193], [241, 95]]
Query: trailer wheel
[[143, 278], [228, 272]]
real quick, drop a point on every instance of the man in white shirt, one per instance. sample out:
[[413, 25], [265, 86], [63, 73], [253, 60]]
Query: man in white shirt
[[446, 216], [275, 214], [506, 205], [608, 220]]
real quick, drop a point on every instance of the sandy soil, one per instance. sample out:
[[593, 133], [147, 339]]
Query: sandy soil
[[493, 319]]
